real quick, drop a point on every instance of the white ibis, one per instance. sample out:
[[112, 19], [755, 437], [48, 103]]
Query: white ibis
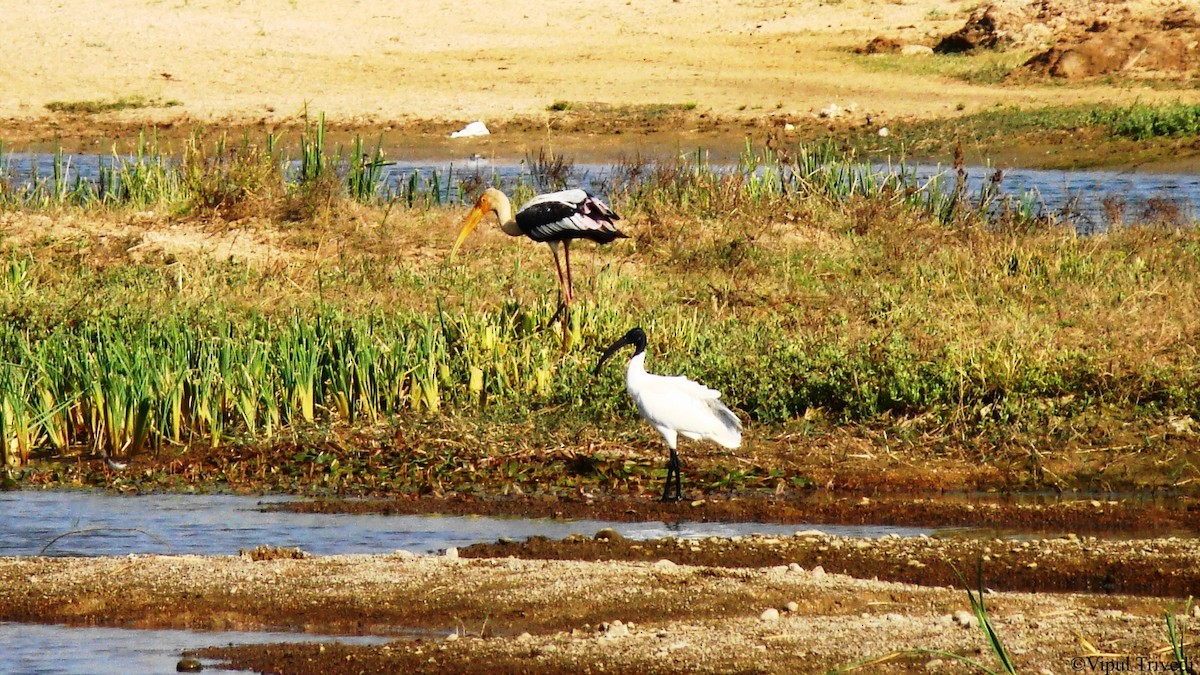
[[675, 406], [555, 218]]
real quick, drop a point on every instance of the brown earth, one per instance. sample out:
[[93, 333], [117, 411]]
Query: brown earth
[[419, 70], [695, 606], [1078, 40]]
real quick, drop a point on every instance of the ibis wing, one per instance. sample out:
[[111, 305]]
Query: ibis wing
[[689, 408], [569, 214]]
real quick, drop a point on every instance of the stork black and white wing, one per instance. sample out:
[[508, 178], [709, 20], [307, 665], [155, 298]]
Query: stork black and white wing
[[569, 214]]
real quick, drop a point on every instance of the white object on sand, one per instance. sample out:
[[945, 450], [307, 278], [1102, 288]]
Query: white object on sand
[[471, 130]]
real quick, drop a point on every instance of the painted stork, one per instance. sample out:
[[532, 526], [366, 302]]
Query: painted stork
[[555, 218], [675, 406]]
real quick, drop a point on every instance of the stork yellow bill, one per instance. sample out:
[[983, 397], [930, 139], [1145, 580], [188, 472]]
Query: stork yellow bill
[[482, 207]]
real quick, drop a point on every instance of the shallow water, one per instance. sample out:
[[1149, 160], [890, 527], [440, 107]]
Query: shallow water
[[32, 649], [92, 523]]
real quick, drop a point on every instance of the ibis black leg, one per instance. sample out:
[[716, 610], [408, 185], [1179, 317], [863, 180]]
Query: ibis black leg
[[672, 470]]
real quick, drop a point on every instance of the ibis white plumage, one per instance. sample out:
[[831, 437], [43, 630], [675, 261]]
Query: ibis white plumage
[[675, 406], [554, 218]]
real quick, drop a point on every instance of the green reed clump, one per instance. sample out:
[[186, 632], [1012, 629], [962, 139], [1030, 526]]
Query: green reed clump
[[125, 384], [768, 182], [232, 179], [1142, 121]]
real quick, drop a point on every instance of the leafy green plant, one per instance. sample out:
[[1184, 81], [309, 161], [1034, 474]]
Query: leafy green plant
[[1176, 636], [979, 610]]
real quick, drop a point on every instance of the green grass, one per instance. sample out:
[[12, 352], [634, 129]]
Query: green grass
[[1082, 127], [109, 105], [982, 67], [1140, 121]]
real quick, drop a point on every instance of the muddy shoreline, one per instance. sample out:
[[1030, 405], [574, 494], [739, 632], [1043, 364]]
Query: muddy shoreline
[[609, 138], [543, 606]]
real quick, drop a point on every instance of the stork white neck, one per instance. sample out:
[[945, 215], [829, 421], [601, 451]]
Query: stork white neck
[[502, 207]]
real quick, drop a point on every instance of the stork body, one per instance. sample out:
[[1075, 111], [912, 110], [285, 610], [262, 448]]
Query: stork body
[[554, 218], [675, 406]]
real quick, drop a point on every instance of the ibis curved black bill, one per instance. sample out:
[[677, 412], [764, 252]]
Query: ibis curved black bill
[[635, 337]]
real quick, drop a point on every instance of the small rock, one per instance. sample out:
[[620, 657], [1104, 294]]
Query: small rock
[[818, 572], [665, 564], [452, 553], [966, 619], [189, 665], [614, 629], [792, 606], [609, 534], [935, 664], [698, 502], [770, 615], [883, 132], [452, 637], [833, 110], [795, 567], [524, 637], [810, 533], [1196, 611]]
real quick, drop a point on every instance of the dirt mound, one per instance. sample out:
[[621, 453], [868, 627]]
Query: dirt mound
[[1077, 39], [1007, 24], [1167, 47]]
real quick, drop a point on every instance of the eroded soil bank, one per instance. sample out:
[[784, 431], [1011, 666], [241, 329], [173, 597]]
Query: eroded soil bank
[[700, 606]]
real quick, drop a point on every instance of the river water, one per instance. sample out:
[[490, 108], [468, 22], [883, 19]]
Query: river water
[[1085, 198], [92, 523]]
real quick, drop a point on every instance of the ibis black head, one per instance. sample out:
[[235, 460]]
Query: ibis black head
[[635, 337]]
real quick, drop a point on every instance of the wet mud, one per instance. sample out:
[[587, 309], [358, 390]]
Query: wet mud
[[986, 515]]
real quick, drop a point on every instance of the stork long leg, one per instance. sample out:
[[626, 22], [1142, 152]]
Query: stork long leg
[[570, 284], [672, 470], [564, 283], [562, 286], [562, 280]]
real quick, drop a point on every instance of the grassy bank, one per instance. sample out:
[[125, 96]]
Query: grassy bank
[[242, 306], [1078, 136]]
